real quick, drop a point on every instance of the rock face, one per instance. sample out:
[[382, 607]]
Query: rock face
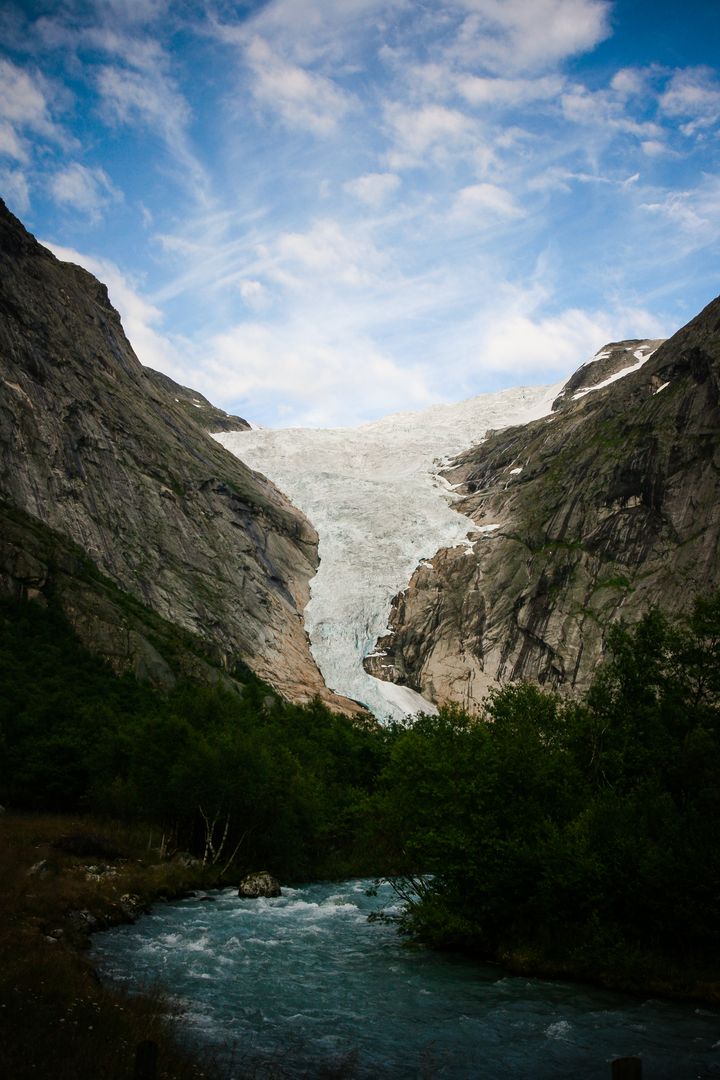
[[606, 507], [114, 458], [196, 406], [261, 883]]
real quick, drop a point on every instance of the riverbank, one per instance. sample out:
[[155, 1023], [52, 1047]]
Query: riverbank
[[63, 878], [640, 974], [66, 877]]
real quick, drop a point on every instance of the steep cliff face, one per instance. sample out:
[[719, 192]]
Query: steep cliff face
[[110, 456], [608, 506]]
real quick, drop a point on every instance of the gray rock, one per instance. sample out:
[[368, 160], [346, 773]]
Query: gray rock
[[117, 460], [261, 883], [184, 858], [39, 869], [606, 508]]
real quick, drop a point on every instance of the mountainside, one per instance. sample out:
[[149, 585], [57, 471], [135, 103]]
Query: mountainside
[[117, 460], [609, 506], [374, 494]]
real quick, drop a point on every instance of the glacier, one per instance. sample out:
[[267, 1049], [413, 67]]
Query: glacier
[[375, 495]]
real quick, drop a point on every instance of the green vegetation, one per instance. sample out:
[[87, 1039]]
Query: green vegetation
[[56, 1020], [576, 836], [283, 785], [561, 836]]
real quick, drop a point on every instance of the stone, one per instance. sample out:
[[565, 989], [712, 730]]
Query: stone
[[260, 883], [118, 460], [39, 869], [185, 859], [599, 512]]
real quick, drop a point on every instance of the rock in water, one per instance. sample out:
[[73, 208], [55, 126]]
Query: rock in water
[[261, 883]]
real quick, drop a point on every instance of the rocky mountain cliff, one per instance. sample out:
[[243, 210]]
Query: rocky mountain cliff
[[604, 508], [117, 460]]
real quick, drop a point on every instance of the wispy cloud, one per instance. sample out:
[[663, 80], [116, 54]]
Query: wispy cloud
[[693, 93], [303, 99], [15, 189], [694, 212], [429, 133], [24, 102], [373, 188], [11, 145], [518, 36], [483, 200], [485, 90], [88, 190], [325, 192], [139, 98]]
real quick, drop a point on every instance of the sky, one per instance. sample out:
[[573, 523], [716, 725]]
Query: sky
[[318, 212]]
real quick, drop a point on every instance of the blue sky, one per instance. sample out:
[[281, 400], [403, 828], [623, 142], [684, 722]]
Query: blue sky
[[317, 212]]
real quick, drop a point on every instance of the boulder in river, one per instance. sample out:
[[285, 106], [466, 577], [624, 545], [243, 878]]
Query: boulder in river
[[261, 883]]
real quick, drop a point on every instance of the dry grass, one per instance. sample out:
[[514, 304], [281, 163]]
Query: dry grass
[[56, 1020]]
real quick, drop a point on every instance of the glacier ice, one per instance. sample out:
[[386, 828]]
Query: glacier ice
[[375, 496]]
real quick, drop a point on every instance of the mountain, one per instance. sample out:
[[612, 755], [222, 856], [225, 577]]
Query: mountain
[[103, 460], [599, 511], [375, 497]]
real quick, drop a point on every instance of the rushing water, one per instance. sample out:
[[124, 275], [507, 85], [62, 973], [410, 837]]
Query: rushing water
[[305, 986]]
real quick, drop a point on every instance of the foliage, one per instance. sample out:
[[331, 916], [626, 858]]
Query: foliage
[[582, 831], [290, 783], [579, 830]]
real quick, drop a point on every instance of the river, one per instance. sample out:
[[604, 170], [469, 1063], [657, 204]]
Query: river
[[305, 986]]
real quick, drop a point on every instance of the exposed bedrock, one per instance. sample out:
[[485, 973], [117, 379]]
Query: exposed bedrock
[[609, 506], [117, 459]]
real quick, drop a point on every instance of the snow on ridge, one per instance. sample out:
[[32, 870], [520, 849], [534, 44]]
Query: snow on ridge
[[641, 356], [375, 496]]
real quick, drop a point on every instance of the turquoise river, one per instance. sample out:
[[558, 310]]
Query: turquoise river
[[305, 986]]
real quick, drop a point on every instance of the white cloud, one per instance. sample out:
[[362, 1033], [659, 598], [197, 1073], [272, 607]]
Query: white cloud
[[132, 11], [483, 90], [693, 93], [151, 100], [515, 35], [254, 294], [328, 252], [654, 148], [373, 188], [23, 101], [629, 82], [87, 190], [322, 380], [11, 145], [526, 345], [481, 200], [605, 112], [303, 99], [15, 190], [142, 53], [322, 31], [432, 130], [696, 212]]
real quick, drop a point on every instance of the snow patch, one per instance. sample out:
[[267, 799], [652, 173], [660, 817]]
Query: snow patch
[[660, 388], [514, 472], [641, 355], [380, 507]]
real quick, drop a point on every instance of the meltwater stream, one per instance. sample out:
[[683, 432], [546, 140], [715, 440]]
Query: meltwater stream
[[304, 986]]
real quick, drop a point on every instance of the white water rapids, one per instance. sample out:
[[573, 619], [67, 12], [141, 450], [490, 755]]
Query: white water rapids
[[375, 497]]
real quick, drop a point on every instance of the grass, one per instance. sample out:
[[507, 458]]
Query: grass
[[56, 1020]]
